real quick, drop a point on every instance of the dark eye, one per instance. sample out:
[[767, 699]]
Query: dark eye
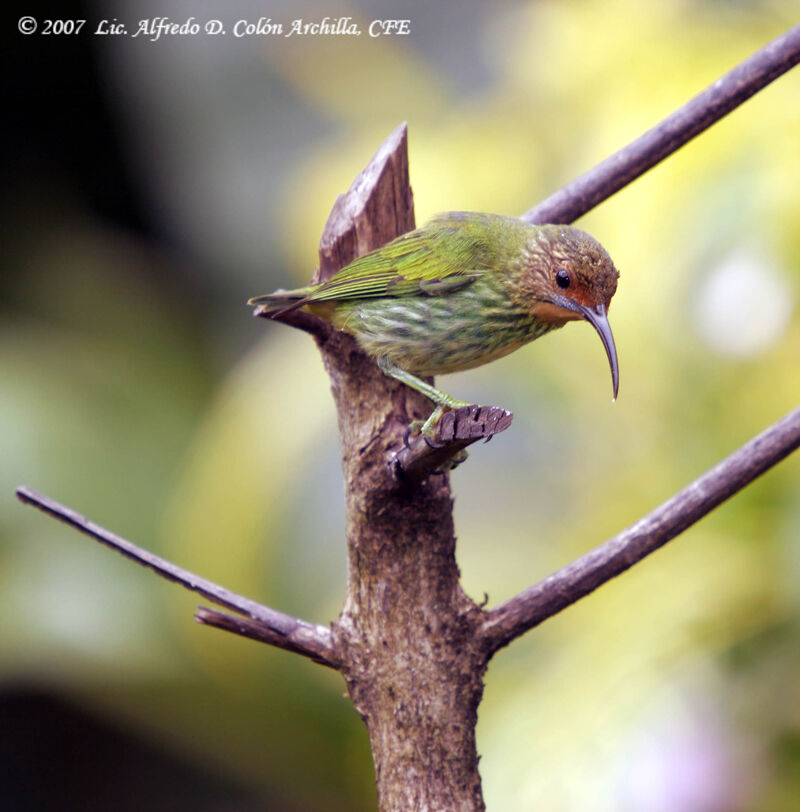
[[562, 278]]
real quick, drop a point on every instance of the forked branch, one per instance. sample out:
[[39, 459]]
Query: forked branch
[[269, 625]]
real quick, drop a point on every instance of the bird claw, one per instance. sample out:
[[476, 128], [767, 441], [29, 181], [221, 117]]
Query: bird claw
[[418, 428], [427, 428], [413, 429]]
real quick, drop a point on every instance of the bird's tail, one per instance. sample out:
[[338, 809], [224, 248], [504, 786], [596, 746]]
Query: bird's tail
[[274, 305]]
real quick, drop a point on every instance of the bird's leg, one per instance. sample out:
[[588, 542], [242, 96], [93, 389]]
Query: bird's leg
[[442, 400]]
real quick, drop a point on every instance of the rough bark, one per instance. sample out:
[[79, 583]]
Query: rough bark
[[406, 635]]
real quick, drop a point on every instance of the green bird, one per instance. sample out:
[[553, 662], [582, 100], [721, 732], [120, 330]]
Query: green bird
[[461, 291]]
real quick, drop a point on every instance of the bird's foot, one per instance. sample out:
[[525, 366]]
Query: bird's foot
[[446, 449], [427, 429], [416, 429]]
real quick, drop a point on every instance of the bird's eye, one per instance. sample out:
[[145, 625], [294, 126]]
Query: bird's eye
[[562, 278]]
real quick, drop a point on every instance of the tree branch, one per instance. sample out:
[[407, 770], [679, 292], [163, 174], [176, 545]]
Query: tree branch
[[454, 432], [259, 631], [276, 628], [705, 109], [570, 584]]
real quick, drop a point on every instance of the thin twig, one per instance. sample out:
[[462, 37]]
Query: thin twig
[[717, 100], [584, 575], [278, 629], [256, 630]]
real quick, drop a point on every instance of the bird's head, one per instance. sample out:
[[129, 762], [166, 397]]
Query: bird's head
[[569, 276]]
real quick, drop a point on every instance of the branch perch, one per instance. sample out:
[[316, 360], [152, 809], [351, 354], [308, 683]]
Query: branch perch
[[568, 585], [275, 628], [454, 432]]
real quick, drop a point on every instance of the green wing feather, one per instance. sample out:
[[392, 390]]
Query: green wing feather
[[441, 257], [450, 252]]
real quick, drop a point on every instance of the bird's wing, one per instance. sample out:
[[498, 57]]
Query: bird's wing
[[418, 263]]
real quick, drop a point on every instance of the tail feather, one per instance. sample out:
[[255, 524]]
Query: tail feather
[[274, 305]]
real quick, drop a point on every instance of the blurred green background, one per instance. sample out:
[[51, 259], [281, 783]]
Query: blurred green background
[[152, 187]]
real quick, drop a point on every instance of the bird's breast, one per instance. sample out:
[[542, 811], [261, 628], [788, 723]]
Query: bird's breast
[[434, 335]]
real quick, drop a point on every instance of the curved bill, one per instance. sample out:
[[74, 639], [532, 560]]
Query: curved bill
[[598, 318]]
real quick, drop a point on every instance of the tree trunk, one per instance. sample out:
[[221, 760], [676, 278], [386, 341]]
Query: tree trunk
[[406, 635]]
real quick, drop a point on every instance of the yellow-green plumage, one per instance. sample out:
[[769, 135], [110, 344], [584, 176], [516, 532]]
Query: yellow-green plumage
[[437, 334], [461, 291]]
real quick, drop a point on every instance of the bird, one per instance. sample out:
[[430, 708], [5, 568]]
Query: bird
[[465, 289]]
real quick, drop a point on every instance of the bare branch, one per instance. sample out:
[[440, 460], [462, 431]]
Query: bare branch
[[570, 584], [454, 432], [259, 631], [717, 100], [278, 629]]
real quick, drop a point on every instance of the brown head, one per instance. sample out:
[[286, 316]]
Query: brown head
[[568, 275]]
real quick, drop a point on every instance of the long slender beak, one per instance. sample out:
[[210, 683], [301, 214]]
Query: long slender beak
[[598, 318]]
